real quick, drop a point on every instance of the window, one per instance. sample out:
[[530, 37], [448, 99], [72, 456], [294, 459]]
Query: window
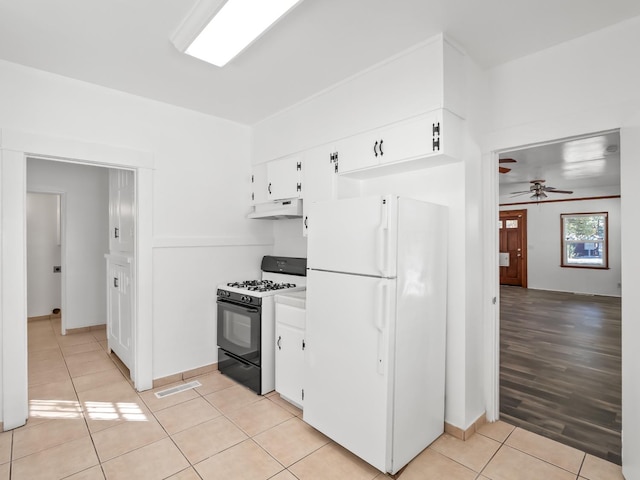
[[512, 223], [584, 240]]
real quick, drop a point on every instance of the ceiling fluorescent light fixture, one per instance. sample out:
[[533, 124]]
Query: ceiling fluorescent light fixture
[[233, 28]]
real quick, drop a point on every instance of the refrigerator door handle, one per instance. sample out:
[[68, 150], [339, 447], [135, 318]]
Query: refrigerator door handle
[[383, 233], [380, 323], [381, 311]]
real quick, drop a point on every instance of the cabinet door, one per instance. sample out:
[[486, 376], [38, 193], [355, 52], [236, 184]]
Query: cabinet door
[[121, 210], [113, 293], [289, 362], [284, 178], [259, 193], [120, 314], [125, 347], [127, 212], [319, 179], [357, 152], [409, 139]]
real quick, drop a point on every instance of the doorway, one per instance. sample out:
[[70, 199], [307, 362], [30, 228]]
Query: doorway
[[560, 353], [13, 157], [44, 254], [513, 253]]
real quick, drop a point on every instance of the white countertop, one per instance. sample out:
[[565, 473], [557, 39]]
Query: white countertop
[[293, 298]]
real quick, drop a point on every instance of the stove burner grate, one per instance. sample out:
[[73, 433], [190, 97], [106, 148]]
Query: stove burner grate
[[260, 285]]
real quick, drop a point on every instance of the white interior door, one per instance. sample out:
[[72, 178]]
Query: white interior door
[[345, 383], [630, 172]]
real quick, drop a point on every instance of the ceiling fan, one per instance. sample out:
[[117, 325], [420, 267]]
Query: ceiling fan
[[505, 160], [538, 190]]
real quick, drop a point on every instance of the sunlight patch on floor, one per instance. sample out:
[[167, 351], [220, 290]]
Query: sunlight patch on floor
[[52, 409], [127, 411]]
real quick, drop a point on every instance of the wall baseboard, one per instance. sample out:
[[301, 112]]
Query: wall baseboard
[[469, 432], [178, 377], [90, 328], [44, 317]]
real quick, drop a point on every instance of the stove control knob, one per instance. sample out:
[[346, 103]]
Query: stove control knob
[[245, 299]]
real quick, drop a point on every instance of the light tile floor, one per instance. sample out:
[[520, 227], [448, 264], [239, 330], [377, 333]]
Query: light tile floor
[[87, 422]]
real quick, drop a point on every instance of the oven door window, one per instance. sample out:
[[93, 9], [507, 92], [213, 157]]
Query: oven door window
[[239, 330]]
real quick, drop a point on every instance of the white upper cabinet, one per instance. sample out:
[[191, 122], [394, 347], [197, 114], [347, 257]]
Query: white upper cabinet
[[277, 180], [121, 211], [284, 178], [259, 183], [319, 178], [426, 140]]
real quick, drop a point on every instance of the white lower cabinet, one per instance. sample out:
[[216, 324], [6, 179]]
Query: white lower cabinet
[[290, 327], [120, 308]]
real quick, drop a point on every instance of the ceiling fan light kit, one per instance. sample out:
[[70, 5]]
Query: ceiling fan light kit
[[539, 191]]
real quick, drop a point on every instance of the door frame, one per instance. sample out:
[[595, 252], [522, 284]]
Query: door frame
[[15, 148], [527, 135], [523, 241]]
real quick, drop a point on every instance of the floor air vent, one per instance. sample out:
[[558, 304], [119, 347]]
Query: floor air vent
[[178, 389]]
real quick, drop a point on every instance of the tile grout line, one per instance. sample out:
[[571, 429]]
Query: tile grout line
[[84, 416], [504, 443]]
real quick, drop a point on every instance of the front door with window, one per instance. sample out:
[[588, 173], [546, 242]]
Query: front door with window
[[513, 241]]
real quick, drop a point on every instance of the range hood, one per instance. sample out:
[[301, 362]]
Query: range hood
[[289, 208]]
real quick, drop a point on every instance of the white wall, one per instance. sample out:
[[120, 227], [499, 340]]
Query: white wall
[[392, 91], [543, 248], [587, 85], [201, 194], [288, 238], [43, 252], [87, 232]]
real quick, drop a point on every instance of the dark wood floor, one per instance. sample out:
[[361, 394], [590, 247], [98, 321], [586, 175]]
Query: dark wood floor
[[560, 367]]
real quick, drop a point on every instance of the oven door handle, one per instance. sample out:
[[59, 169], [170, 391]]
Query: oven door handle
[[238, 306]]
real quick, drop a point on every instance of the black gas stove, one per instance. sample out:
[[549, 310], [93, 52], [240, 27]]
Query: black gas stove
[[246, 321]]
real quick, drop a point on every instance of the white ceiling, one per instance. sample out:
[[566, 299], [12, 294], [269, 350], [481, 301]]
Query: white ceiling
[[584, 165], [124, 44]]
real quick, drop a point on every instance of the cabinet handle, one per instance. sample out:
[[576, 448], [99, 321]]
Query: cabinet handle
[[380, 147], [305, 222], [115, 282], [269, 188], [116, 232], [279, 339], [375, 147]]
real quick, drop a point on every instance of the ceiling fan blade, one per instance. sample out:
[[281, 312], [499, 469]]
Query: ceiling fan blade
[[520, 193], [555, 190], [507, 160], [504, 169]]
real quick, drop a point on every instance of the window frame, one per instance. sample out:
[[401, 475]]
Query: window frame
[[563, 241]]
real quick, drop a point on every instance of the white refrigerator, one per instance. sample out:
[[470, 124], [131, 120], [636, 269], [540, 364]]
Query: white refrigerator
[[376, 322]]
